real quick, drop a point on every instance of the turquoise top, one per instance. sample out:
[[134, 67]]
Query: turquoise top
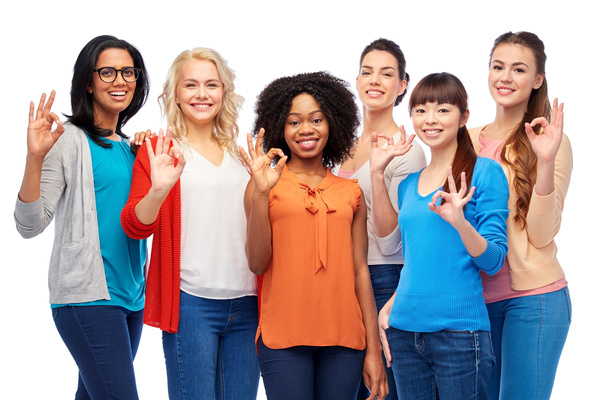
[[440, 286], [124, 258]]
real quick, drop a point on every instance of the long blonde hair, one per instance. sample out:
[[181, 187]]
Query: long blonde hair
[[225, 127]]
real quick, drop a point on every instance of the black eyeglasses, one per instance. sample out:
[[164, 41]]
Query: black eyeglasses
[[109, 74]]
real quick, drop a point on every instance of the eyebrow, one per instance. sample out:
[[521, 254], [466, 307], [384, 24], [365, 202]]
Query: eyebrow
[[513, 64], [310, 113], [369, 67]]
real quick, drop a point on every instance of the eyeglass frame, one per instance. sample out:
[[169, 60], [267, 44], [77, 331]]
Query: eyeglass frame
[[137, 73]]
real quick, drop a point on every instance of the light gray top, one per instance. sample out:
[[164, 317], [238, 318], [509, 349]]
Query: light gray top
[[394, 173], [76, 273]]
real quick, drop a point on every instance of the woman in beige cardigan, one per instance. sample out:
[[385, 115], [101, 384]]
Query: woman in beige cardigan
[[528, 300]]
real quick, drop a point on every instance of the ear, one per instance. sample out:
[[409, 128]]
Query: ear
[[89, 89], [465, 118], [402, 87], [539, 80]]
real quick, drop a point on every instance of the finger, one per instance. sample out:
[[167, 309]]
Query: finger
[[40, 108], [280, 164], [48, 106], [469, 196], [259, 142], [159, 141], [179, 159], [31, 109], [540, 121], [451, 182], [385, 345], [250, 145], [529, 131], [149, 150], [168, 139], [245, 156], [60, 129], [274, 152], [463, 184]]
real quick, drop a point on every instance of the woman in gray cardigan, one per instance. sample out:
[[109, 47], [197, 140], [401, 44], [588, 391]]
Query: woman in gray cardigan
[[80, 175]]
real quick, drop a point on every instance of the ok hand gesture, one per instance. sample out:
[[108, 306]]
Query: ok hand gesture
[[166, 164], [40, 136], [452, 209], [546, 144], [380, 156], [264, 177]]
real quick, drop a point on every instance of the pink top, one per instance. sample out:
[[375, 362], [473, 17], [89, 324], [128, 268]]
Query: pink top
[[497, 287], [344, 173]]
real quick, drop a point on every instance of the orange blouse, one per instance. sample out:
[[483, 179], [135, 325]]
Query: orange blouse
[[308, 294]]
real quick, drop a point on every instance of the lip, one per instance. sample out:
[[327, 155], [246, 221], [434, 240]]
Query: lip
[[118, 95], [374, 93], [201, 106], [308, 143], [432, 133], [504, 91]]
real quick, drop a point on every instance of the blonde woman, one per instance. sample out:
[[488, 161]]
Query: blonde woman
[[188, 190]]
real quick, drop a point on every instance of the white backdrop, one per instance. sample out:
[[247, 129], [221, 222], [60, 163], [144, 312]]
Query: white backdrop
[[262, 41]]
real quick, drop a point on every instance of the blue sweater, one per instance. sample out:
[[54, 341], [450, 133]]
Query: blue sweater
[[440, 287]]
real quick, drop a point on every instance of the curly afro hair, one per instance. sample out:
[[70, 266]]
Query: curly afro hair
[[333, 96]]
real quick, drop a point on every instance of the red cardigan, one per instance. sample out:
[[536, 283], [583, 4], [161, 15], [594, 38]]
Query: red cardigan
[[163, 281]]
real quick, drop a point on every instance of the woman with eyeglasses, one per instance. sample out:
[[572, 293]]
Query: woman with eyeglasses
[[79, 175]]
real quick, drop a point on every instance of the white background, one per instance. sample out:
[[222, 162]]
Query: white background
[[262, 41]]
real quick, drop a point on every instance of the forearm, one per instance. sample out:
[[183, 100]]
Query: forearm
[[146, 211], [472, 240], [259, 236], [30, 186], [366, 300], [384, 215], [544, 184]]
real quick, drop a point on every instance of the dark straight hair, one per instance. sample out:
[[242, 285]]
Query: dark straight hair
[[446, 88], [82, 101]]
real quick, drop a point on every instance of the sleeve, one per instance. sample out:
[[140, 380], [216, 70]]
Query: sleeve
[[392, 243], [544, 215], [32, 218], [400, 168], [491, 211], [140, 186], [355, 195]]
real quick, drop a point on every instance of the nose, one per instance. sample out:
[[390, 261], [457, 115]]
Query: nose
[[374, 79], [119, 79], [506, 75], [201, 93], [431, 118], [305, 128]]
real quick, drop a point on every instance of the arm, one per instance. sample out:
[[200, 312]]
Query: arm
[[373, 369], [555, 163], [384, 323], [256, 202], [385, 216], [154, 175], [485, 237]]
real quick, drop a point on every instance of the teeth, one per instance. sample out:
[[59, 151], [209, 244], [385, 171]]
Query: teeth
[[374, 92], [505, 90], [201, 105], [117, 93], [307, 141], [432, 132]]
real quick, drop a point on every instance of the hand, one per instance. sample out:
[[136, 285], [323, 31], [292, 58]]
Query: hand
[[166, 164], [374, 376], [139, 138], [452, 209], [546, 144], [40, 136], [384, 323], [380, 157], [265, 178]]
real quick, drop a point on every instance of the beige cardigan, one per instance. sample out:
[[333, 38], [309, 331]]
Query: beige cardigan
[[532, 251]]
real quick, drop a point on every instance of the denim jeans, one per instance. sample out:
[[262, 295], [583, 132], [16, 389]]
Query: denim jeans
[[103, 340], [384, 279], [454, 365], [311, 372], [213, 354], [528, 335]]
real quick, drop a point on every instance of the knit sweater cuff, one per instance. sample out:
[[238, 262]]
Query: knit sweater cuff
[[133, 227], [491, 260]]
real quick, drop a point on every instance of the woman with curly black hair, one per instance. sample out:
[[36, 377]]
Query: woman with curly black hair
[[307, 237]]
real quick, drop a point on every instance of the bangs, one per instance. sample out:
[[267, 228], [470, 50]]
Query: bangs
[[440, 88]]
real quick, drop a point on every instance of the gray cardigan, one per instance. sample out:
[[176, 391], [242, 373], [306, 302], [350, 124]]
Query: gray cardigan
[[76, 272]]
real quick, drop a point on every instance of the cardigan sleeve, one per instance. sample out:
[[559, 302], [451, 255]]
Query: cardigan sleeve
[[140, 186], [491, 212], [544, 215], [33, 218]]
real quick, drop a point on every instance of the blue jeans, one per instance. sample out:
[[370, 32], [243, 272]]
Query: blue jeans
[[384, 279], [528, 334], [213, 354], [311, 372], [103, 340], [454, 365]]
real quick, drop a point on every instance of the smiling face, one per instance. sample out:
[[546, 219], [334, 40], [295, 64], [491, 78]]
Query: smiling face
[[199, 92], [379, 83], [437, 124], [306, 129], [513, 75], [109, 99]]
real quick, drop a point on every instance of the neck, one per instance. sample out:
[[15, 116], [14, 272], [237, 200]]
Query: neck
[[303, 166], [441, 158], [507, 119], [199, 133], [381, 121], [108, 122]]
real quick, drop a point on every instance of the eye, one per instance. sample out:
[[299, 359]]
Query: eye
[[497, 67], [365, 73], [317, 120], [129, 72], [519, 70], [107, 72], [419, 110]]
